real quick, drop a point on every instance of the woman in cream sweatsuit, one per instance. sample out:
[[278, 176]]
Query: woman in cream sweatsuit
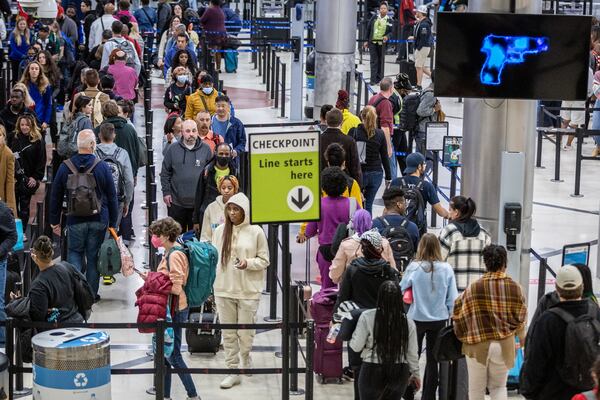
[[214, 215], [243, 258]]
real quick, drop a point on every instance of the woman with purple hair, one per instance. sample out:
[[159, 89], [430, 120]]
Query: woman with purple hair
[[350, 248]]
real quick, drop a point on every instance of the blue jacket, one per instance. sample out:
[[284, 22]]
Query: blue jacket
[[170, 54], [43, 102], [105, 189], [16, 52], [235, 135], [146, 18]]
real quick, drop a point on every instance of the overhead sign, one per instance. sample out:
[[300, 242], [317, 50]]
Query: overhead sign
[[284, 177]]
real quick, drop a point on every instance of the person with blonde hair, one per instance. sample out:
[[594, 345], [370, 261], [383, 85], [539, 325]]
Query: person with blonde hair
[[30, 149], [372, 155], [19, 42], [7, 173], [243, 259], [214, 214], [40, 91], [433, 287]]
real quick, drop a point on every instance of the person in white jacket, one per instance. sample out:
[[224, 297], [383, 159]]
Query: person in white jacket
[[214, 215], [101, 24], [243, 259]]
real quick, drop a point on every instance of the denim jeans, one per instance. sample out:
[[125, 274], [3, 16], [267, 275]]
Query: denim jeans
[[84, 241], [371, 183], [176, 361], [393, 166], [2, 288]]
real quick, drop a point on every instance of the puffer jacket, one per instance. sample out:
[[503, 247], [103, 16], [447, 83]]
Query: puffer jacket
[[152, 299]]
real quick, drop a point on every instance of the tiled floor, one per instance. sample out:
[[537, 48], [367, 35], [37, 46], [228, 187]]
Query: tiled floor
[[558, 219]]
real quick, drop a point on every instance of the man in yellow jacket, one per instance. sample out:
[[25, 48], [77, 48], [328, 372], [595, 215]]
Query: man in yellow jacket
[[203, 99], [349, 120]]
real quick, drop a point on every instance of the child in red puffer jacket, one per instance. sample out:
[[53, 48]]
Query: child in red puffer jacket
[[591, 394]]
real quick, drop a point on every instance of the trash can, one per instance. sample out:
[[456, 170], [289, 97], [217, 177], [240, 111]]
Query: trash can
[[71, 364], [3, 377]]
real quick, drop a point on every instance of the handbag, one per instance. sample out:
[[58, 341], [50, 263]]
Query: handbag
[[447, 346], [127, 264]]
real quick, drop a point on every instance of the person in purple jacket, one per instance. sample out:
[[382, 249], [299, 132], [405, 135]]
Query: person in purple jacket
[[213, 23], [335, 209]]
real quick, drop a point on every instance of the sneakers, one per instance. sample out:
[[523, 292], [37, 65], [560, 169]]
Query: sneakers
[[230, 381], [596, 151], [348, 374], [108, 280], [567, 147]]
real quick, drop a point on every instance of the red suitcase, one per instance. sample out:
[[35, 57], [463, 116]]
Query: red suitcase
[[327, 356]]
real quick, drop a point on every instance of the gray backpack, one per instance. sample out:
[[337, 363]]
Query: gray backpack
[[82, 200], [67, 139]]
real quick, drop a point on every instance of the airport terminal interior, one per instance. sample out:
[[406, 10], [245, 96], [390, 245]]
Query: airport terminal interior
[[550, 175]]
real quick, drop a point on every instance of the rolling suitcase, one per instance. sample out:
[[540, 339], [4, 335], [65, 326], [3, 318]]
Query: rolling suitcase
[[327, 356], [231, 62], [408, 67], [204, 340]]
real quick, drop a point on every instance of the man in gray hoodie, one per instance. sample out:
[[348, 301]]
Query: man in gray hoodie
[[182, 167]]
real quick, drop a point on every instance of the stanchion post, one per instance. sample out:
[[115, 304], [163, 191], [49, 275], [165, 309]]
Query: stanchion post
[[285, 334], [348, 81], [273, 84], [366, 101], [358, 91], [435, 178], [40, 218], [283, 78], [309, 379], [10, 353], [273, 239], [26, 272], [294, 318], [268, 68], [542, 279], [275, 92], [538, 156], [579, 134], [452, 182], [159, 360], [263, 62], [557, 158]]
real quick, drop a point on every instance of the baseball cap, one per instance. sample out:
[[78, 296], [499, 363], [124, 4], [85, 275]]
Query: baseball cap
[[423, 9], [413, 161], [568, 277]]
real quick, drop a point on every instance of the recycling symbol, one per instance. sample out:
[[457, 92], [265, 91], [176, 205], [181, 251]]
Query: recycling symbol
[[80, 380]]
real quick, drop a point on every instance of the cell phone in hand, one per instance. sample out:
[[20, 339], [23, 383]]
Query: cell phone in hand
[[237, 263]]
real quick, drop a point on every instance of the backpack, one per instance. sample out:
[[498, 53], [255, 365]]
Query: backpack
[[116, 169], [202, 258], [82, 291], [409, 120], [128, 48], [582, 347], [361, 146], [97, 116], [343, 231], [69, 50], [415, 205], [67, 139], [81, 191], [400, 242]]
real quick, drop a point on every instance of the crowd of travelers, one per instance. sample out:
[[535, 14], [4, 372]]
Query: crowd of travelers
[[71, 114]]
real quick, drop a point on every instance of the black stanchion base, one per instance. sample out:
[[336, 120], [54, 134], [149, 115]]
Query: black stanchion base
[[298, 392], [576, 195], [278, 354], [269, 319], [556, 180], [540, 167], [265, 292]]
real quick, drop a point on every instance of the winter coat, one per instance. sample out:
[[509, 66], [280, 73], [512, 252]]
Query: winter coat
[[7, 178], [152, 299]]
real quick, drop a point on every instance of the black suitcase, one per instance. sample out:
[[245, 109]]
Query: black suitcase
[[408, 67], [204, 340]]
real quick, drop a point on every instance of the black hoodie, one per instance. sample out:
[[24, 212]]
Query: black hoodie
[[468, 228], [207, 191], [362, 279]]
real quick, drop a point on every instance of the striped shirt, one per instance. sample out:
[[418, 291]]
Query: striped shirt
[[492, 308], [464, 254]]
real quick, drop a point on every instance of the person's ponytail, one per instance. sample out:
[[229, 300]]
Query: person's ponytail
[[465, 206]]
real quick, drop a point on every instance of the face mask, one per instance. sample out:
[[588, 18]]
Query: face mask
[[223, 161], [182, 79], [207, 90], [156, 242]]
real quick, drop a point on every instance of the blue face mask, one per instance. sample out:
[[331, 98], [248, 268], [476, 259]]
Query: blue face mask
[[182, 78], [207, 90]]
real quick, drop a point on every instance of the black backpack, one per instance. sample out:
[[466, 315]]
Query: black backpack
[[409, 120], [400, 242], [82, 291], [415, 204], [582, 346], [81, 191], [116, 169]]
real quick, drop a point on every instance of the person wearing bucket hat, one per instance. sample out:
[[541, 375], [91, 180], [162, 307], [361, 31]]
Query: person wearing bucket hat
[[413, 181], [553, 342]]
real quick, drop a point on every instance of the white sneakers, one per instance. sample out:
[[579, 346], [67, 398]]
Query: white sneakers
[[230, 381], [566, 147]]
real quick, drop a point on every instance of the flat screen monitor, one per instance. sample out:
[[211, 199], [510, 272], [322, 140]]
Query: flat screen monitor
[[576, 254], [452, 156], [513, 56]]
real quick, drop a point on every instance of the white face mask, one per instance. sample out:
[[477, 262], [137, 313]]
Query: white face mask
[[207, 90]]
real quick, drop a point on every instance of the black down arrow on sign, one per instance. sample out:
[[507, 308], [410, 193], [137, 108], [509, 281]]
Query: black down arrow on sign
[[300, 199]]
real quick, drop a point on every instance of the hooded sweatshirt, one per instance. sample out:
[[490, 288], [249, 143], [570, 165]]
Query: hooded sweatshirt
[[249, 243], [462, 246], [214, 215], [125, 138], [181, 170], [362, 279]]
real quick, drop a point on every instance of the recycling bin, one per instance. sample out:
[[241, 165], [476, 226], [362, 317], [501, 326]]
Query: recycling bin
[[71, 364]]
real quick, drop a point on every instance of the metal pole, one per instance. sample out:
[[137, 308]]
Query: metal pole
[[273, 72], [283, 78], [542, 279], [294, 318], [557, 158], [358, 91], [366, 94], [538, 157], [273, 237], [348, 78], [452, 182], [274, 92], [578, 133], [268, 69], [10, 353], [285, 334], [309, 380], [159, 360], [435, 184]]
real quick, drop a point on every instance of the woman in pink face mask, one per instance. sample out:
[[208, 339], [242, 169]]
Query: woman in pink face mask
[[126, 79]]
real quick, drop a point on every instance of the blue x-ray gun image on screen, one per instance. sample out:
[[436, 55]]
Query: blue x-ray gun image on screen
[[502, 50]]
